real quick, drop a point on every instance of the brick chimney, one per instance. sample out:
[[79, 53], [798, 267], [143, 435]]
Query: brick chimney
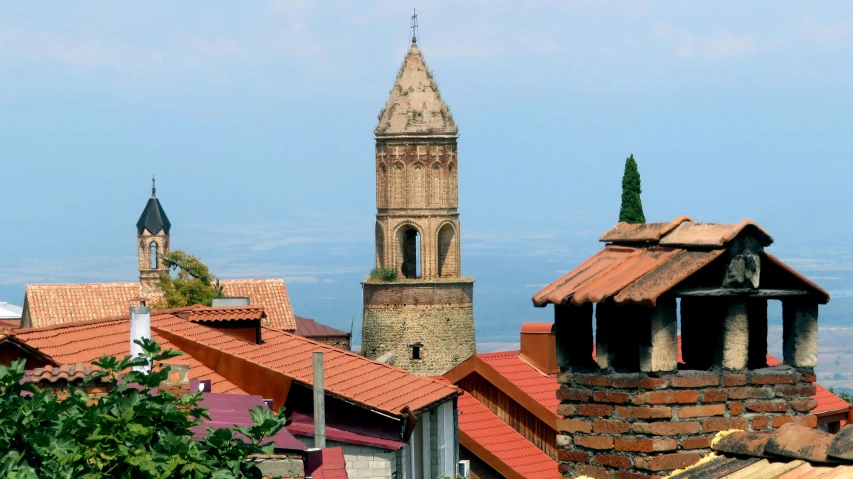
[[632, 406]]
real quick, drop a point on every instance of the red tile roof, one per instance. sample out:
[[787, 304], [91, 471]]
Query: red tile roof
[[226, 313], [308, 328], [51, 304], [347, 375], [827, 402], [87, 341], [499, 445], [67, 372], [535, 383], [627, 273]]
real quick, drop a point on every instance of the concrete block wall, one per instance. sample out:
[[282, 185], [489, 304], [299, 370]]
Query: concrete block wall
[[635, 425], [363, 462]]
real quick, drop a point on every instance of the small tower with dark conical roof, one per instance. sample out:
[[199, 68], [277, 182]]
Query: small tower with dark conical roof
[[152, 235], [424, 320]]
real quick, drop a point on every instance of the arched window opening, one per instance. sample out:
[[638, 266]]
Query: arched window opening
[[410, 249], [152, 253], [448, 258], [380, 246]]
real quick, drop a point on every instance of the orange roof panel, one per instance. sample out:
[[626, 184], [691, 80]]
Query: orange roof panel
[[533, 382], [640, 233], [499, 445], [712, 234]]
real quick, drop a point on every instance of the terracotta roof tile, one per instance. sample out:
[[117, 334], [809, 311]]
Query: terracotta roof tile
[[226, 313], [485, 434], [347, 375], [50, 304], [533, 382], [712, 234], [308, 328], [66, 373], [640, 233], [88, 341]]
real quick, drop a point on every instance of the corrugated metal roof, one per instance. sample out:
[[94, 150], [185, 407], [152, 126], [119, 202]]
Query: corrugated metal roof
[[308, 328], [88, 341], [10, 311], [485, 434], [347, 375], [51, 304]]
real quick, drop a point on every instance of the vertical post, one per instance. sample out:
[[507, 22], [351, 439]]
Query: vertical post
[[733, 348], [799, 333], [140, 327], [319, 402], [659, 338]]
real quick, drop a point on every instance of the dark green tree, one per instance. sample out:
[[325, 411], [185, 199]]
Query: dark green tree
[[194, 283], [632, 206], [132, 432]]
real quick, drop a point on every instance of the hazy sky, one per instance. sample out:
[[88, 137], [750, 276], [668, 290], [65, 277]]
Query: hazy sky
[[257, 119]]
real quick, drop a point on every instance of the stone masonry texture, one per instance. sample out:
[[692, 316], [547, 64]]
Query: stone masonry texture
[[648, 424]]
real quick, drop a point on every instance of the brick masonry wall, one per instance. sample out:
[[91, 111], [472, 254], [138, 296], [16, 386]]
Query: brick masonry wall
[[621, 426], [363, 462], [408, 314]]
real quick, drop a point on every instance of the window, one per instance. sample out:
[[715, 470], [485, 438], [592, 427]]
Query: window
[[416, 350], [152, 253]]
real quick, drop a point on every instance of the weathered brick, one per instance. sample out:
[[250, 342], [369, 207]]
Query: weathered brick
[[626, 382], [750, 393], [702, 411], [793, 391], [592, 380], [808, 421], [571, 394], [613, 460], [609, 426], [632, 475], [666, 397], [564, 440], [760, 423], [566, 410], [735, 408], [641, 412], [668, 428], [767, 406], [611, 397], [717, 424], [730, 380], [803, 405], [695, 380], [594, 442], [564, 377], [700, 442], [809, 377], [790, 378], [572, 426], [594, 410], [572, 456], [653, 383], [667, 462], [594, 472], [565, 469], [715, 395], [643, 444]]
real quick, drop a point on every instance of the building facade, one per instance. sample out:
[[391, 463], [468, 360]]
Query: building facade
[[424, 320]]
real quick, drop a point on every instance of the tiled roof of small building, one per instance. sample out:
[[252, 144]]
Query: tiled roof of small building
[[347, 375], [308, 328], [87, 341], [414, 105], [226, 313], [67, 372], [792, 451], [51, 304], [645, 261], [499, 445]]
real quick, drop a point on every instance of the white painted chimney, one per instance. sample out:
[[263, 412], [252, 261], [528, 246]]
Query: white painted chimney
[[140, 327]]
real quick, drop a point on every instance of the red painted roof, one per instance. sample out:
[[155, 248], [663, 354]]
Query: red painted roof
[[308, 328], [347, 375], [87, 341], [327, 463], [535, 383], [484, 433]]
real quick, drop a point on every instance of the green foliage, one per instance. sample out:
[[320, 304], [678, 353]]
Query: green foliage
[[632, 206], [129, 433], [194, 284], [383, 274]]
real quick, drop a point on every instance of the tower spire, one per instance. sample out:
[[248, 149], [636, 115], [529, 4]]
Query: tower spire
[[414, 27], [153, 187]]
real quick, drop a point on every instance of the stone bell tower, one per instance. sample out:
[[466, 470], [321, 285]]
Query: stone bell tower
[[152, 237], [424, 320]]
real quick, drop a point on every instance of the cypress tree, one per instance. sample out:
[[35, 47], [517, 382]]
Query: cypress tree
[[632, 205]]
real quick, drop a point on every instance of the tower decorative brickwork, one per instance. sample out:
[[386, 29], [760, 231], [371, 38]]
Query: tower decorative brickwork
[[152, 238], [423, 321]]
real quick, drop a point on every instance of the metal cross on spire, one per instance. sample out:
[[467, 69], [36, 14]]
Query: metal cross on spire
[[153, 187], [414, 27]]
